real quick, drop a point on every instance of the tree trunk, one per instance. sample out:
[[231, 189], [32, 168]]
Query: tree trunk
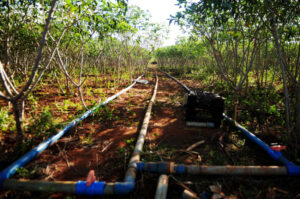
[[119, 63], [18, 110], [297, 128], [7, 46], [81, 97], [236, 104], [282, 66]]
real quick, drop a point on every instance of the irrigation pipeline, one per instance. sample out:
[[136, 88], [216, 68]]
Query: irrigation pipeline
[[135, 165], [290, 167], [9, 171], [162, 187], [176, 80], [97, 187]]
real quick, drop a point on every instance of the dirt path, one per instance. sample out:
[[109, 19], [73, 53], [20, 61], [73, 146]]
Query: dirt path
[[104, 143]]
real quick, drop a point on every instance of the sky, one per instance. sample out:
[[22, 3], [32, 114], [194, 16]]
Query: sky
[[160, 11]]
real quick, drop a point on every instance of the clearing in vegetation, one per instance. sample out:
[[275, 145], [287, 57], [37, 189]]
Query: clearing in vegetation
[[58, 59]]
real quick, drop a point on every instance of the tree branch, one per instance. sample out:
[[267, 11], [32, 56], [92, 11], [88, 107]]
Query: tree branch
[[45, 68], [4, 97], [39, 56]]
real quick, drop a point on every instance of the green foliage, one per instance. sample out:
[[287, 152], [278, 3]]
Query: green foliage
[[6, 120], [25, 173], [86, 140], [33, 101], [67, 104], [105, 113], [45, 125]]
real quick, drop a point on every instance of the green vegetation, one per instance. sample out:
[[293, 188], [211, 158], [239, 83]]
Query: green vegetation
[[45, 125], [6, 120], [106, 113], [246, 51], [68, 43]]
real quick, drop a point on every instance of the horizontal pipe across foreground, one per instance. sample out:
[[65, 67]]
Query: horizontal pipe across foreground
[[69, 187], [9, 171], [172, 168]]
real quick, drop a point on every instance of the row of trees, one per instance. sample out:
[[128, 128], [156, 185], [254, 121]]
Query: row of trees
[[69, 40], [242, 40]]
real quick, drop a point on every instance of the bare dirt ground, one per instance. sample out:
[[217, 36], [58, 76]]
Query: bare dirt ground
[[104, 143]]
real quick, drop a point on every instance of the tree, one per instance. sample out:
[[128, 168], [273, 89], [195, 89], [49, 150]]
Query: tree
[[242, 21], [16, 97]]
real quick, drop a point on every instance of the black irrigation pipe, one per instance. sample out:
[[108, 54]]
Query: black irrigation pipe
[[176, 80]]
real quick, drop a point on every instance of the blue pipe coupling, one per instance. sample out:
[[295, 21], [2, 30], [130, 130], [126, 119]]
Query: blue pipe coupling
[[96, 188], [104, 188]]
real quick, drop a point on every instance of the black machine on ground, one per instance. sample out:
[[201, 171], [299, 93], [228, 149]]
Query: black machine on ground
[[204, 109]]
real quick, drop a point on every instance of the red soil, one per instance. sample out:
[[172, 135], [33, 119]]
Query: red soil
[[106, 147]]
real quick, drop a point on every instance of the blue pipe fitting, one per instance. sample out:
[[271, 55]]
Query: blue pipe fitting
[[180, 169], [123, 188], [96, 188], [129, 179], [293, 170], [140, 166], [2, 178], [153, 167]]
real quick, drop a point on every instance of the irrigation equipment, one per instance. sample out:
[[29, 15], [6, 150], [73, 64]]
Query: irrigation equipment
[[162, 187], [9, 171], [290, 168], [181, 169], [204, 109], [97, 187], [135, 165]]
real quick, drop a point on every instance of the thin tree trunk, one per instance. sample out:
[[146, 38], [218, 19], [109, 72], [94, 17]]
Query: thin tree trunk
[[282, 66], [7, 36], [236, 104], [17, 108], [297, 129], [119, 63], [81, 97]]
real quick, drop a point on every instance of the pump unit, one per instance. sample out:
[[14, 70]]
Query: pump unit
[[204, 109]]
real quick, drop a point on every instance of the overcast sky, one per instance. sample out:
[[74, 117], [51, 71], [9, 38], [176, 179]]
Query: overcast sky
[[161, 11]]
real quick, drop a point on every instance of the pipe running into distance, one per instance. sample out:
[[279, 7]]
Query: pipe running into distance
[[277, 156], [97, 187], [176, 80], [9, 171]]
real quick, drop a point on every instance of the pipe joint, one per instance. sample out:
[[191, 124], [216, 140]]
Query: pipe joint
[[159, 167], [2, 178], [293, 170], [96, 188], [124, 188], [133, 165], [180, 169]]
